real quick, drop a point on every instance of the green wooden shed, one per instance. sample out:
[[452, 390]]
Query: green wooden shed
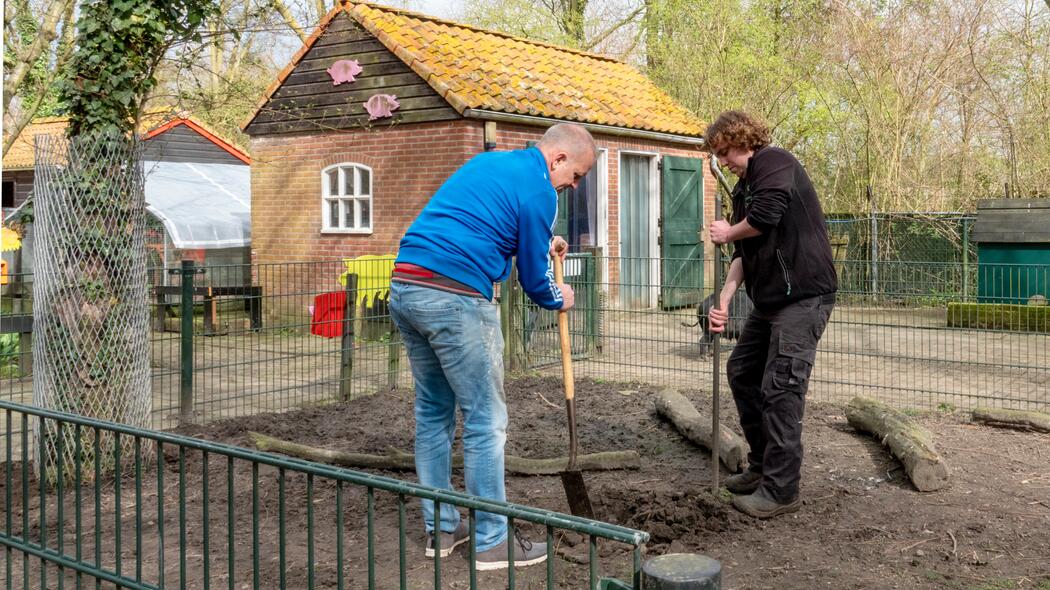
[[1013, 249]]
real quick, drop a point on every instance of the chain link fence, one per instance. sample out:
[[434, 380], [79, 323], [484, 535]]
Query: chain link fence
[[91, 344]]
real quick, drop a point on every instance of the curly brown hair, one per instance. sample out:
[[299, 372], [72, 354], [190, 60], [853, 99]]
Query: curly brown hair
[[736, 129]]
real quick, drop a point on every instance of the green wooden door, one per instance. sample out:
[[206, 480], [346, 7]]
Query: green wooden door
[[681, 218]]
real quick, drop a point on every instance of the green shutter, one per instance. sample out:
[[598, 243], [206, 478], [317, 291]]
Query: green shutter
[[681, 218]]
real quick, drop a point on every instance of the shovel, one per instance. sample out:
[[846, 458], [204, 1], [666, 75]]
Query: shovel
[[571, 478]]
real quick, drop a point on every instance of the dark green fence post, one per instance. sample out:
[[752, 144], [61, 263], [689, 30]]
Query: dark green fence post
[[594, 300], [966, 259], [346, 353], [187, 273]]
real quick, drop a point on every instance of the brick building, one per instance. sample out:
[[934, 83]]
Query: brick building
[[330, 180]]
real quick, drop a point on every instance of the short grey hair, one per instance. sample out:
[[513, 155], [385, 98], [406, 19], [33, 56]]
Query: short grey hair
[[572, 138]]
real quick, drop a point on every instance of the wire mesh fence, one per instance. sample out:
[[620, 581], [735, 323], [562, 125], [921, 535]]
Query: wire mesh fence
[[90, 303], [274, 337]]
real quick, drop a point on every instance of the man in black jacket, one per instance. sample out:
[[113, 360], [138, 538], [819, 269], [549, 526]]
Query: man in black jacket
[[783, 256]]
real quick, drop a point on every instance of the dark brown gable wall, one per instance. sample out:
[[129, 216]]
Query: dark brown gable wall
[[308, 101]]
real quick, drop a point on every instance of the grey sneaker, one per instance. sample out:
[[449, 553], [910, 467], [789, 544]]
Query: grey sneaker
[[761, 505], [525, 553], [449, 541], [745, 482]]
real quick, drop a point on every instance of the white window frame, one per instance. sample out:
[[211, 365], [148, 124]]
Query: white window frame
[[344, 200]]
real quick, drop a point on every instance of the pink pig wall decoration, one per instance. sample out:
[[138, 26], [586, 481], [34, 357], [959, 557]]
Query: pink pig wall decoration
[[381, 105], [344, 70]]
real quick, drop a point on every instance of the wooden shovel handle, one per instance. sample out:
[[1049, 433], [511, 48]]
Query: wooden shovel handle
[[563, 335]]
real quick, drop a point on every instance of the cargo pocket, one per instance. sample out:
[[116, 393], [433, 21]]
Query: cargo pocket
[[793, 366]]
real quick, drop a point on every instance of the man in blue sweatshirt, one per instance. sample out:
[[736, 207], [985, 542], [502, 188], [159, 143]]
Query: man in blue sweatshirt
[[499, 205]]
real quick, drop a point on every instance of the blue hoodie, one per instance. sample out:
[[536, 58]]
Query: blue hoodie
[[498, 205]]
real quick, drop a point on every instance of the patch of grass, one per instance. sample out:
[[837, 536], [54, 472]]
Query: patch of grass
[[913, 412], [1044, 584], [945, 408], [995, 584], [932, 575]]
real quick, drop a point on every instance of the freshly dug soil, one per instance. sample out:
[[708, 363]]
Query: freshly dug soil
[[862, 525]]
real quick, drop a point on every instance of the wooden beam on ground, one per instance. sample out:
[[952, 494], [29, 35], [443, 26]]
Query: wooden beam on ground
[[1013, 418], [908, 441], [402, 461], [697, 427]]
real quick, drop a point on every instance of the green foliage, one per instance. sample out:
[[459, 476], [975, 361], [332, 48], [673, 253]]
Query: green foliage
[[119, 44]]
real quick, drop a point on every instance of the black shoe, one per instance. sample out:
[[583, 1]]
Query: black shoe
[[744, 483], [761, 505]]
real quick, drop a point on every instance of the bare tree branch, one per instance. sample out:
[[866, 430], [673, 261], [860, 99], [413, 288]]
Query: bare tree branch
[[597, 39], [25, 59], [289, 18], [27, 114]]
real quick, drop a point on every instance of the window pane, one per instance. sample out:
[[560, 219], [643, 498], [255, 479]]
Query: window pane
[[348, 212], [333, 184], [348, 177], [365, 206], [366, 182], [333, 213]]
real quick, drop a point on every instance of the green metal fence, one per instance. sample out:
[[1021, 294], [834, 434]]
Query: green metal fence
[[915, 343], [182, 512]]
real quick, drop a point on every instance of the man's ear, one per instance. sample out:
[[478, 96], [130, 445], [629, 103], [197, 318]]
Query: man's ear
[[559, 158]]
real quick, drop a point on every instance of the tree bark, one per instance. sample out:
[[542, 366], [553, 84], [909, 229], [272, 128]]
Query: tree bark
[[697, 428], [24, 60], [401, 461], [908, 441], [1013, 418]]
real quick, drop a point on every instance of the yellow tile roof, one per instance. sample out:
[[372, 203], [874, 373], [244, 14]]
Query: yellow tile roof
[[474, 68], [20, 156]]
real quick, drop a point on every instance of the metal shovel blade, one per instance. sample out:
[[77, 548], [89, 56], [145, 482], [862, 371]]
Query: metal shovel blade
[[572, 478], [576, 492]]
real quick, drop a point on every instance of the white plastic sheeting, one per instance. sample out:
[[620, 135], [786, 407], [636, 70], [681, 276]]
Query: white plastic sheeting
[[201, 205]]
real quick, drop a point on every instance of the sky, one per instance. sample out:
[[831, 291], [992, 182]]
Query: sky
[[438, 8]]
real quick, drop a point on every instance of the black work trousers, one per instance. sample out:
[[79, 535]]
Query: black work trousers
[[769, 373]]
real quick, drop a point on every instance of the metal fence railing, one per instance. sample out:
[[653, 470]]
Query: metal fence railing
[[921, 341], [300, 333], [178, 512]]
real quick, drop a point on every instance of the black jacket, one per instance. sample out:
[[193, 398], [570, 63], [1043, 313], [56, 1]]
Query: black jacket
[[791, 259]]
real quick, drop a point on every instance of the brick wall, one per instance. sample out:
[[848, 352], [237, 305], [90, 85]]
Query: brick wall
[[516, 137], [409, 163]]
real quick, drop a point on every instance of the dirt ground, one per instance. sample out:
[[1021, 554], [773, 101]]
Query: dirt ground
[[862, 525]]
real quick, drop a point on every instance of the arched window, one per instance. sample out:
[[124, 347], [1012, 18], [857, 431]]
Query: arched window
[[346, 199]]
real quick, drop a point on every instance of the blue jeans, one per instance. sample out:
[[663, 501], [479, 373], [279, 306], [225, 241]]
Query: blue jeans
[[455, 348]]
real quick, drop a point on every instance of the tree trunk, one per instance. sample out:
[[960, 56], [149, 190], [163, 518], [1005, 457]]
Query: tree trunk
[[908, 441], [1013, 418], [697, 428], [402, 461]]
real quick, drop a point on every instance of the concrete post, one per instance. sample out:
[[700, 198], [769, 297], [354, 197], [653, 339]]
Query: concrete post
[[682, 571]]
